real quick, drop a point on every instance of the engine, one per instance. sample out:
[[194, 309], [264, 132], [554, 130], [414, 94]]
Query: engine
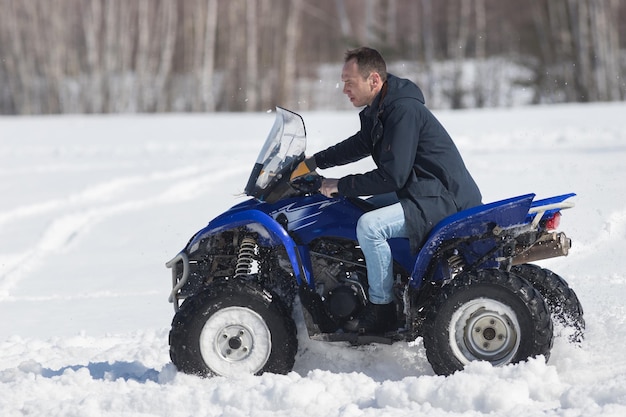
[[340, 278]]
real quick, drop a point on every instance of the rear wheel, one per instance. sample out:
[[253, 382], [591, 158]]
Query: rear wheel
[[562, 301], [233, 328], [491, 316]]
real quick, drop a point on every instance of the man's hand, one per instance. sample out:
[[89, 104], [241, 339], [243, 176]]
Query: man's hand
[[329, 187]]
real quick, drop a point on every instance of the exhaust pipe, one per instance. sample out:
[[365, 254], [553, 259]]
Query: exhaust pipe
[[550, 245]]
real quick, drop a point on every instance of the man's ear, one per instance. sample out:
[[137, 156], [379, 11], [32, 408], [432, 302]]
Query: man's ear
[[376, 80]]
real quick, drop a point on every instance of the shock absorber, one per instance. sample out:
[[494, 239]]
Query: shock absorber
[[245, 257], [455, 264]]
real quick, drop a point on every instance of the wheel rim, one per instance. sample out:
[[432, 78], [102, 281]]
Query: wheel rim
[[484, 329], [235, 341]]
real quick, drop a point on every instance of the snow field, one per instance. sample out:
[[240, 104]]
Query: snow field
[[93, 206]]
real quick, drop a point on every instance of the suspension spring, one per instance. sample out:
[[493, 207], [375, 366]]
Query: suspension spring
[[456, 264], [245, 257]]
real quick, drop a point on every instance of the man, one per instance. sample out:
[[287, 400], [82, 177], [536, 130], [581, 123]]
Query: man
[[415, 159]]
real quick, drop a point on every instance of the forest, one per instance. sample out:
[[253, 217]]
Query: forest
[[145, 56]]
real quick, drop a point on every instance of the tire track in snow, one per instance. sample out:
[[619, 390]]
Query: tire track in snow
[[103, 191], [82, 296], [64, 229]]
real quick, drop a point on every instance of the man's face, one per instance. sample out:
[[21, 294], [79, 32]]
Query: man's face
[[361, 91]]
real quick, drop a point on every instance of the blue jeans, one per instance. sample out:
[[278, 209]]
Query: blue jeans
[[372, 231]]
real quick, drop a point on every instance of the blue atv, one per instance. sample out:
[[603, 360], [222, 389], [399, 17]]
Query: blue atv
[[471, 292]]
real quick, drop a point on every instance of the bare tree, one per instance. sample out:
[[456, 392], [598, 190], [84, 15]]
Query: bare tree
[[480, 12], [145, 66], [92, 24], [22, 75], [289, 58], [110, 49], [391, 24], [271, 42], [344, 20], [202, 45], [166, 44], [458, 35], [579, 18], [252, 50], [603, 31], [233, 98], [580, 48], [428, 42]]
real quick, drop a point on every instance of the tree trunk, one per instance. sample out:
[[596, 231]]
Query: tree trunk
[[167, 25], [19, 65], [481, 39], [252, 64], [617, 90], [142, 67], [271, 41], [579, 17], [428, 40], [603, 39], [344, 20], [290, 57], [92, 23], [391, 24], [457, 47], [208, 62], [235, 47]]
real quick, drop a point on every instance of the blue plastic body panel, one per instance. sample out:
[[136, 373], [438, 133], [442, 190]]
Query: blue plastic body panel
[[472, 222], [315, 216]]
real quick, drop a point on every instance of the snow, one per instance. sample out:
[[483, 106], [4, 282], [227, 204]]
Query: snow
[[93, 206]]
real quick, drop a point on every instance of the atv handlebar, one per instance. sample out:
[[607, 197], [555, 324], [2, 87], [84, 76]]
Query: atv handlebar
[[308, 184]]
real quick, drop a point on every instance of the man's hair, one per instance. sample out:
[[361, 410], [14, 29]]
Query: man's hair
[[369, 60]]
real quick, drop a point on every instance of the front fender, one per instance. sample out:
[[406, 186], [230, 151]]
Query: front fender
[[268, 229]]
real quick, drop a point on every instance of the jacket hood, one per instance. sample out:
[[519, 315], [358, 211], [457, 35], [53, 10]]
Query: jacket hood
[[397, 88], [403, 88]]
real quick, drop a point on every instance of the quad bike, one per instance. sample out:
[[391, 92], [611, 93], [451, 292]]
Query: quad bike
[[471, 292]]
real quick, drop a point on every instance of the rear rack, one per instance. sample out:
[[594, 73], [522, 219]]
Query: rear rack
[[539, 211]]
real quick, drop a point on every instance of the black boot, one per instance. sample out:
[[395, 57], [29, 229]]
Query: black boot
[[376, 318]]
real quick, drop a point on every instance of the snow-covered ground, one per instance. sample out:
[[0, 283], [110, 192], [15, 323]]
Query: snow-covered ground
[[93, 207]]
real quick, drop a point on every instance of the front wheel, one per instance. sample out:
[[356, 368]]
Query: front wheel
[[233, 328], [491, 316]]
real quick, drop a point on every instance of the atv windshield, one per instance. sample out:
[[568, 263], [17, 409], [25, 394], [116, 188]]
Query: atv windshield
[[282, 152]]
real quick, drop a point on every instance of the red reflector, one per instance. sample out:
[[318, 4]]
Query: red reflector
[[553, 222]]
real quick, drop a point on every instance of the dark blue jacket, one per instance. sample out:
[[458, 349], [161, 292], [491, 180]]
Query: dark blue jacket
[[414, 155]]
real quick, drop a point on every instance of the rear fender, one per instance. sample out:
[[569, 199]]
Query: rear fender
[[467, 224]]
